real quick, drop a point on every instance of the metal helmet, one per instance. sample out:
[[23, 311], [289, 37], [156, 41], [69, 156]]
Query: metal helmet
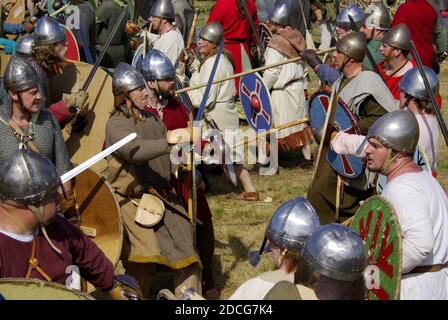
[[412, 83], [353, 45], [157, 66], [25, 44], [212, 32], [397, 130], [162, 9], [28, 178], [377, 16], [19, 75], [335, 251], [343, 21], [398, 37], [281, 13], [48, 31], [126, 78], [291, 223]]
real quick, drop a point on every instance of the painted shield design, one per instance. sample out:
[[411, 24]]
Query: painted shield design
[[72, 45], [265, 34], [346, 165], [377, 224], [256, 102], [138, 57], [16, 14], [420, 158]]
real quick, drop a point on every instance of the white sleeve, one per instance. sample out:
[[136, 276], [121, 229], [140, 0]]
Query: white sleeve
[[345, 143], [270, 76], [151, 37], [415, 223]]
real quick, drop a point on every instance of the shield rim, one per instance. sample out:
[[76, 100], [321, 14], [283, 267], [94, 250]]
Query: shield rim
[[140, 49], [68, 31], [269, 99], [399, 235], [354, 122]]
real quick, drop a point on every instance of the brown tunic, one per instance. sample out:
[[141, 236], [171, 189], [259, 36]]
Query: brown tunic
[[140, 165]]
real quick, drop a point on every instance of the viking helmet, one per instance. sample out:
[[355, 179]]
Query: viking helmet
[[397, 130], [343, 21], [28, 178], [377, 16], [353, 45], [162, 9], [25, 44], [48, 31], [291, 223], [126, 78], [335, 251], [412, 83], [212, 32], [157, 66], [281, 13], [19, 75], [398, 37]]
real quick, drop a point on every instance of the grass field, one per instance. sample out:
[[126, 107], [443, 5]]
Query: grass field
[[239, 226]]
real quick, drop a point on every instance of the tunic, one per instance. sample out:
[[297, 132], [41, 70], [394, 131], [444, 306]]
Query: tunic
[[139, 166], [170, 43], [220, 105], [77, 249]]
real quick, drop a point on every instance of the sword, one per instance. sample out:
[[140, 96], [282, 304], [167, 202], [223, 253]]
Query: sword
[[254, 29], [90, 162], [432, 98]]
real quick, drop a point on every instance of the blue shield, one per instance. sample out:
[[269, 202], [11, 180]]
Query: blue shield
[[345, 165], [256, 102], [138, 57]]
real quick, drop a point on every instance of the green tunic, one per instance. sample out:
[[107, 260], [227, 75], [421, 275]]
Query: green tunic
[[322, 194], [374, 48]]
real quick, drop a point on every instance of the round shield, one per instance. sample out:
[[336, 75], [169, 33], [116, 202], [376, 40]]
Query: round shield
[[138, 56], [99, 213], [16, 14], [265, 34], [84, 144], [183, 96], [72, 45], [35, 289], [346, 165], [256, 102], [377, 224], [420, 158]]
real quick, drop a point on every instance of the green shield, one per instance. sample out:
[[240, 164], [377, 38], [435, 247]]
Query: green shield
[[377, 224]]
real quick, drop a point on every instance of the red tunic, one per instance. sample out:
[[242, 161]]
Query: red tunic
[[175, 116], [237, 31], [394, 81], [420, 17], [77, 249]]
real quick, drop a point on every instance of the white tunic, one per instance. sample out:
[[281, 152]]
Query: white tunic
[[429, 137], [422, 208], [287, 96], [257, 288], [170, 43], [220, 105]]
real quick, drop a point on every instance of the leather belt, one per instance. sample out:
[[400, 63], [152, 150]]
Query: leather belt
[[433, 268]]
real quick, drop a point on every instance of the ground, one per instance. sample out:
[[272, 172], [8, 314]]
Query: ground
[[240, 226]]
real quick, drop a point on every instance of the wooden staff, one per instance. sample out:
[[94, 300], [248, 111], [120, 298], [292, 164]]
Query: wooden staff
[[59, 10], [145, 40], [267, 132], [190, 38], [237, 75]]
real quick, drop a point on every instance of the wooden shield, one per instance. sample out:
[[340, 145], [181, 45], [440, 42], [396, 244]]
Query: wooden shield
[[85, 144], [377, 224], [72, 45], [99, 213], [34, 289], [16, 14]]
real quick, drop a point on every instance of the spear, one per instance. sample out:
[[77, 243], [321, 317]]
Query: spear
[[237, 75]]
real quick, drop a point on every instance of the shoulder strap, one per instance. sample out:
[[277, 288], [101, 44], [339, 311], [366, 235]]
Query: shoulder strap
[[18, 132]]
